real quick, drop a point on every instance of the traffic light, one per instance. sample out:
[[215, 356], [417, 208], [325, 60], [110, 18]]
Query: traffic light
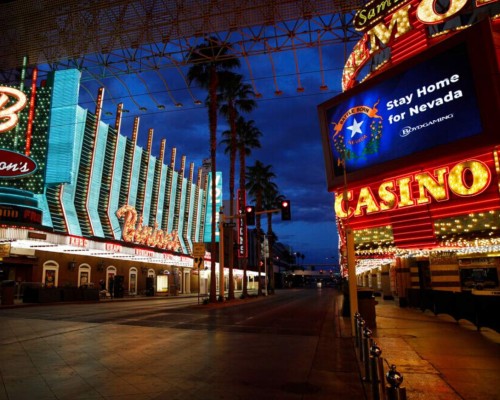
[[286, 212], [250, 215]]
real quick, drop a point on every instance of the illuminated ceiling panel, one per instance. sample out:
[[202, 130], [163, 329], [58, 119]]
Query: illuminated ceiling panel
[[473, 226], [374, 237], [144, 39]]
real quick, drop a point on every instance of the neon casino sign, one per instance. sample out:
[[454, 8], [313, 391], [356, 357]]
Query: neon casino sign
[[9, 115], [465, 179], [135, 232], [371, 20], [13, 164]]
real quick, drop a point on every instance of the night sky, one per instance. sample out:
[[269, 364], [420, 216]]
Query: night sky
[[291, 140]]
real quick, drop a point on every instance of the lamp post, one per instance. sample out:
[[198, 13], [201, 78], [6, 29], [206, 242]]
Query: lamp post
[[266, 254], [351, 262], [222, 225], [199, 281], [351, 268]]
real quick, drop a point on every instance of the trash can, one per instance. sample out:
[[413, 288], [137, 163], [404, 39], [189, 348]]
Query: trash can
[[366, 306], [7, 292]]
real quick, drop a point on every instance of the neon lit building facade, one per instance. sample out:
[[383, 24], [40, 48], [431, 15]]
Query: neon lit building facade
[[412, 150], [93, 205]]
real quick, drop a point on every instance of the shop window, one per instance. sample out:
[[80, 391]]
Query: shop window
[[162, 283], [479, 278], [84, 275], [50, 274]]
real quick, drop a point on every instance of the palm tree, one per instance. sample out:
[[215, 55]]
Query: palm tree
[[247, 139], [235, 97], [271, 201], [259, 179], [208, 60]]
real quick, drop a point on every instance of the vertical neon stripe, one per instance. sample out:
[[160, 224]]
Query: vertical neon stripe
[[31, 114]]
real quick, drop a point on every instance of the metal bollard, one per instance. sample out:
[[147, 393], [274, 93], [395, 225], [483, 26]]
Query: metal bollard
[[357, 316], [367, 334], [362, 325], [394, 389], [377, 372]]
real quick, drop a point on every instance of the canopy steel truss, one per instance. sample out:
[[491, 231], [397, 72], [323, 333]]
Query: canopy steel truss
[[107, 38]]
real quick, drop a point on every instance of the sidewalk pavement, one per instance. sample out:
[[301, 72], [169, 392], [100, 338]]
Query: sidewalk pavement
[[440, 359]]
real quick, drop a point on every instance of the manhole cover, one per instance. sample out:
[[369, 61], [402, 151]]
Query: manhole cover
[[300, 388]]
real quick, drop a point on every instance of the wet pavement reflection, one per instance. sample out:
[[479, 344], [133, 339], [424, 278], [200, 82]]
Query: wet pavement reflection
[[274, 347]]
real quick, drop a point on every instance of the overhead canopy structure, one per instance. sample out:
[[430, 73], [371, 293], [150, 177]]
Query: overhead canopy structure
[[111, 37]]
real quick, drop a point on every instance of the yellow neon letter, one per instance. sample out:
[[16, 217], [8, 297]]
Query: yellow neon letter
[[426, 12], [404, 185], [428, 184], [367, 200], [481, 178], [339, 204], [387, 196], [384, 33]]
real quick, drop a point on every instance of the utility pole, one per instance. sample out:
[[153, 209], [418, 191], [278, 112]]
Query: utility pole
[[223, 224], [351, 268], [351, 257], [266, 255]]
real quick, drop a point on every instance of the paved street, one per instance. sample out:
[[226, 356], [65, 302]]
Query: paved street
[[286, 346], [292, 345]]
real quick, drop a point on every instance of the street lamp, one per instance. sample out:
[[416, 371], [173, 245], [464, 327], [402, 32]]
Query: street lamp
[[265, 252], [350, 253]]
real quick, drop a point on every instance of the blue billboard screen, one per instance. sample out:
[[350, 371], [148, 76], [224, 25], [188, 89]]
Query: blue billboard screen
[[431, 103]]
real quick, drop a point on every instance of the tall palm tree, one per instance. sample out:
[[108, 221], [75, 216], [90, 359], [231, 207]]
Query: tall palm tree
[[259, 179], [247, 139], [208, 60], [271, 201], [234, 97]]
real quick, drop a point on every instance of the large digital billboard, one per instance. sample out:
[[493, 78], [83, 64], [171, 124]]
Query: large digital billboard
[[430, 102]]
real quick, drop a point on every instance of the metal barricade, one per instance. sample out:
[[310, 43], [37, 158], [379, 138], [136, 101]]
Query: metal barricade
[[371, 356], [377, 372], [362, 325], [357, 326], [394, 389], [367, 338]]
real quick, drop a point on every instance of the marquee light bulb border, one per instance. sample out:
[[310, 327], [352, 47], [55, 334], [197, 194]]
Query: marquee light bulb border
[[380, 27]]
